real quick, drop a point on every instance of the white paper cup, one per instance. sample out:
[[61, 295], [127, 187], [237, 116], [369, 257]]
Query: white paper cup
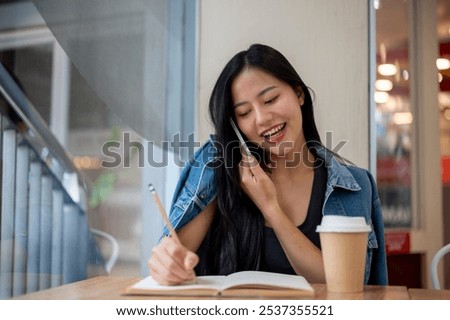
[[344, 245]]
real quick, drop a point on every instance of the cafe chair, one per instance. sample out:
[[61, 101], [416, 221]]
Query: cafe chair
[[114, 248], [434, 265]]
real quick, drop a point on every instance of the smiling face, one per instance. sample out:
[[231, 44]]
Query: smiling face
[[268, 112]]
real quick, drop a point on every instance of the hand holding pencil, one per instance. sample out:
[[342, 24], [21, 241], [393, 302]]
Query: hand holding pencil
[[171, 263]]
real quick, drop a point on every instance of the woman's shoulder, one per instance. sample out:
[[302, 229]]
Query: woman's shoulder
[[205, 154], [199, 167], [195, 188], [344, 173], [361, 175]]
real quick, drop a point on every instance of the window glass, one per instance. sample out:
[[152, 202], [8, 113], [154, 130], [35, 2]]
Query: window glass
[[393, 114]]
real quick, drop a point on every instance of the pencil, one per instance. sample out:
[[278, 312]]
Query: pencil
[[163, 213]]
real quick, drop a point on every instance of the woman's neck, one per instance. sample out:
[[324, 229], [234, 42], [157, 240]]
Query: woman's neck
[[299, 162]]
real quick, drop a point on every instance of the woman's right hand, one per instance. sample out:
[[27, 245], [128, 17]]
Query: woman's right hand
[[171, 263], [257, 185]]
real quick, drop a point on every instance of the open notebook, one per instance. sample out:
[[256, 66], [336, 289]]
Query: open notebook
[[239, 284]]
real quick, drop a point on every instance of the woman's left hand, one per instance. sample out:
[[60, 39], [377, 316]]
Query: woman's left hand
[[257, 184]]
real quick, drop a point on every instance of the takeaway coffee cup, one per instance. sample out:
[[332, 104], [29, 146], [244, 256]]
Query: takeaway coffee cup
[[344, 245]]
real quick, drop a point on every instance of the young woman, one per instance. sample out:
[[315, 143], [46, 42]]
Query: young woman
[[236, 212]]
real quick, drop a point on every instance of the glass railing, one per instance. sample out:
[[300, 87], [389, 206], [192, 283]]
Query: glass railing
[[44, 233]]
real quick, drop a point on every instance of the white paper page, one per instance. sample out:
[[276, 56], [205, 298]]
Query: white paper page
[[213, 282], [268, 278]]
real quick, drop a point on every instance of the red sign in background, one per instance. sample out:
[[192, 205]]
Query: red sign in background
[[445, 169], [398, 242], [392, 170]]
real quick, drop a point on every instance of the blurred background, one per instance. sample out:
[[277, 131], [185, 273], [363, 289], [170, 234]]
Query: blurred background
[[122, 87]]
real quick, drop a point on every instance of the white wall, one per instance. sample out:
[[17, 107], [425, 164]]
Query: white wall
[[326, 41]]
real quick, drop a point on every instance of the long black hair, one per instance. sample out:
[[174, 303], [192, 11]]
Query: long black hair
[[234, 241]]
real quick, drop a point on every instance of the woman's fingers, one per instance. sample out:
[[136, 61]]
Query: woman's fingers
[[172, 263], [190, 260], [248, 161], [256, 183], [250, 170]]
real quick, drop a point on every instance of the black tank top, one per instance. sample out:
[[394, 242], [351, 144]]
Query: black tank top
[[273, 257]]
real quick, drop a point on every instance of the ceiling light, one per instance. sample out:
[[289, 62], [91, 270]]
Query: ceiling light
[[405, 74], [376, 4], [443, 64], [444, 99], [383, 52], [447, 114], [383, 85], [440, 77], [387, 69], [401, 118], [381, 97], [86, 162], [391, 105]]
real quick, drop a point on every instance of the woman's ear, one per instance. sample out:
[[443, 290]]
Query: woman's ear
[[300, 95]]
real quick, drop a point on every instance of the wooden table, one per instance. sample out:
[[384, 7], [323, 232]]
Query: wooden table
[[427, 294], [111, 288]]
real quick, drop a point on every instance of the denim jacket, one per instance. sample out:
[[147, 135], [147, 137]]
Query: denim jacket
[[350, 191]]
